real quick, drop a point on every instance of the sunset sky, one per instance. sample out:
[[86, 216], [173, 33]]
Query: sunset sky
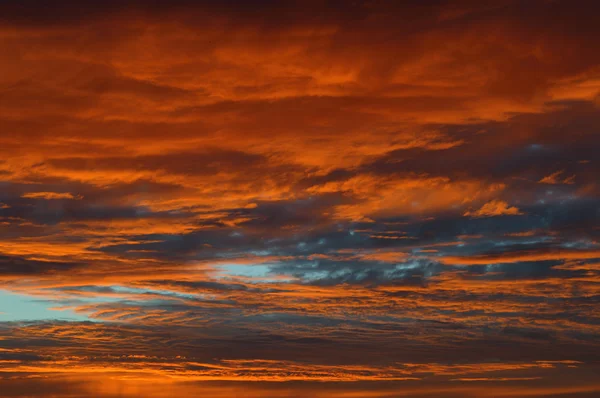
[[345, 199]]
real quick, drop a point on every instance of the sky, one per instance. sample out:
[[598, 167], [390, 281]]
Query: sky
[[299, 199]]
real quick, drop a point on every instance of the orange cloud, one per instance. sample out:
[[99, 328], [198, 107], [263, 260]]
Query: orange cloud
[[50, 195], [554, 178], [492, 209], [275, 192], [537, 255]]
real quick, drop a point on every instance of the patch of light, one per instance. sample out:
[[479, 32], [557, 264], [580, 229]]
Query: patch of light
[[19, 307], [260, 252], [582, 244], [135, 290], [257, 273]]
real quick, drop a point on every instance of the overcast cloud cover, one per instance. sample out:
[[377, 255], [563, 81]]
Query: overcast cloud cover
[[299, 199]]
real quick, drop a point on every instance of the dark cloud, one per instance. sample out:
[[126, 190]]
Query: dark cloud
[[13, 265]]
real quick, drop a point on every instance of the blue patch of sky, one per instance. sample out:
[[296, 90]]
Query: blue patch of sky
[[259, 273], [19, 307]]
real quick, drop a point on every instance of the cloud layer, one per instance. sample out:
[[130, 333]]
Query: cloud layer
[[401, 195]]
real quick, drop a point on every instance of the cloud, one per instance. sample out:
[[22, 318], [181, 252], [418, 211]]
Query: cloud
[[494, 208], [554, 178], [537, 255], [50, 195]]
